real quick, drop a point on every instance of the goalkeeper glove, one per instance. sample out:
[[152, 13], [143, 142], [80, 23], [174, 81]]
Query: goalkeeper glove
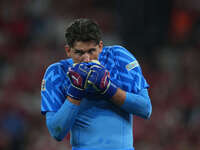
[[99, 77], [78, 75]]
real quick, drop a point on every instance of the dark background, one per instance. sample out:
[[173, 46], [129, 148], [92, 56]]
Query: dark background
[[163, 35]]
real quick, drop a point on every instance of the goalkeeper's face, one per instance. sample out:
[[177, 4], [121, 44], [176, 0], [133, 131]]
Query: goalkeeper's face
[[84, 51]]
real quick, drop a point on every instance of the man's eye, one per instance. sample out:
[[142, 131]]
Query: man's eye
[[79, 53], [91, 51]]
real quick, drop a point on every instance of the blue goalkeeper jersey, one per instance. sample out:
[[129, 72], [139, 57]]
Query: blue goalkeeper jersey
[[99, 124]]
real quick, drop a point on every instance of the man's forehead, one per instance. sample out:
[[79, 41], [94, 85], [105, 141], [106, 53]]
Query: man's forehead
[[84, 45]]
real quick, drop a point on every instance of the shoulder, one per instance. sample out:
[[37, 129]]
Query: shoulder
[[115, 48], [57, 68], [116, 54], [125, 59], [121, 54], [112, 48], [118, 50]]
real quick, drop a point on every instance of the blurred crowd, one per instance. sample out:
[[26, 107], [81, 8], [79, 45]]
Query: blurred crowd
[[32, 37]]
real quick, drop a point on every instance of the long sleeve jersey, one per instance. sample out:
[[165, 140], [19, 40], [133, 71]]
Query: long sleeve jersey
[[97, 123]]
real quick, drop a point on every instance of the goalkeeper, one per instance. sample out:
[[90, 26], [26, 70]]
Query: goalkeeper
[[95, 93]]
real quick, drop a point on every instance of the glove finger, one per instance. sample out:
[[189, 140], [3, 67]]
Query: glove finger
[[96, 61], [84, 68], [75, 64], [97, 69], [93, 76], [90, 64], [94, 86]]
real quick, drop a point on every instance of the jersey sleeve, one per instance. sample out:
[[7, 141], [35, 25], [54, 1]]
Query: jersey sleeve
[[52, 89], [130, 72]]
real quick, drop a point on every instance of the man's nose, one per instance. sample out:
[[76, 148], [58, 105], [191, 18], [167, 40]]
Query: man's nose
[[86, 57]]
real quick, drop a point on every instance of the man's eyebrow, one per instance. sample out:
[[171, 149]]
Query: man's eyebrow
[[91, 49], [80, 50]]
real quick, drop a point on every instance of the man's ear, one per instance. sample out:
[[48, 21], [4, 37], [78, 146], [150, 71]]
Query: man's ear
[[101, 45], [68, 50]]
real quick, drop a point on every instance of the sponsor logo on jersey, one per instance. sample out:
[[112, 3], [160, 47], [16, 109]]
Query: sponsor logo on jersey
[[132, 65], [43, 85]]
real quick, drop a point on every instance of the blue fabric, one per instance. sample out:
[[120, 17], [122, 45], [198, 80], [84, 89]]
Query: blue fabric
[[115, 59], [57, 122], [73, 148], [138, 104], [53, 88], [98, 123]]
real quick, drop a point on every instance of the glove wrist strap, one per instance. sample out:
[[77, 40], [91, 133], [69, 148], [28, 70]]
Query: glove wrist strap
[[110, 91], [75, 93]]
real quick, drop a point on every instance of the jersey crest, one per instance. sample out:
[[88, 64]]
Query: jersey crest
[[43, 85]]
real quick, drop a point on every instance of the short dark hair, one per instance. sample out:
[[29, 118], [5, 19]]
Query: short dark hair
[[84, 30]]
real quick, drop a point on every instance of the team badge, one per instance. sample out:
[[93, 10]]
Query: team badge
[[132, 65], [43, 85]]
